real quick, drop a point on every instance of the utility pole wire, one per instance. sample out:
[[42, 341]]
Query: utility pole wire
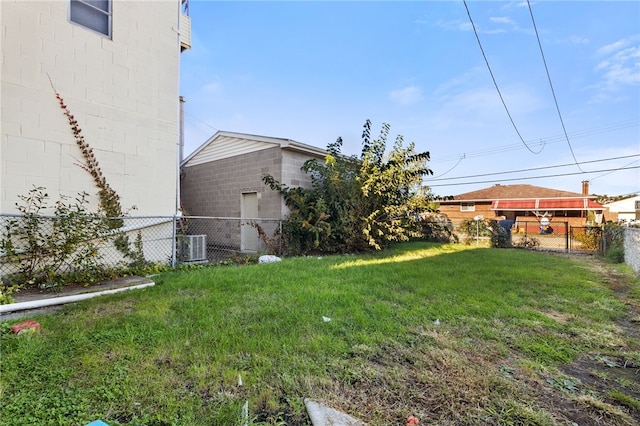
[[496, 84], [545, 140], [538, 168], [608, 173], [551, 86], [534, 177]]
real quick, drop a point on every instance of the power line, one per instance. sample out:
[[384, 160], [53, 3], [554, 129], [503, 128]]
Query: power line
[[605, 174], [496, 84], [536, 177], [539, 168], [544, 140], [555, 99], [202, 122], [197, 129], [454, 166]]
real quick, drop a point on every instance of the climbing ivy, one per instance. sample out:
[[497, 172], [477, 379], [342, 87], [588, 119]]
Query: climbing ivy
[[109, 199]]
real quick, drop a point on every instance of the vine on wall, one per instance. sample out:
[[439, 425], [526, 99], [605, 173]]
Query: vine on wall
[[109, 199], [64, 249]]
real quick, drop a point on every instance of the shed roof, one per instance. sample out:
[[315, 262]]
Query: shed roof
[[237, 143]]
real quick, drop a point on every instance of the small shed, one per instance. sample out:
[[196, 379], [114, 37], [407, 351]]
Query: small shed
[[223, 179]]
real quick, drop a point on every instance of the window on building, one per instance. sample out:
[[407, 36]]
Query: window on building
[[92, 14], [467, 207]]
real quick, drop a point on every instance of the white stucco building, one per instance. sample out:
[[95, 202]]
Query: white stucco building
[[116, 63], [626, 210]]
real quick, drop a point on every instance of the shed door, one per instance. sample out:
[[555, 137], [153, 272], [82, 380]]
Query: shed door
[[249, 240]]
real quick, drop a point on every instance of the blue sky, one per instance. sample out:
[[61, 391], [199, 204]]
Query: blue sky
[[313, 71]]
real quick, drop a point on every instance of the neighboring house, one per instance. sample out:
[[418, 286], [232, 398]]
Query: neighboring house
[[116, 63], [223, 179], [525, 203], [626, 210]]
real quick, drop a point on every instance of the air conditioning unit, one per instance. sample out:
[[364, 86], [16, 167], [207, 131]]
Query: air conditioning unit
[[192, 248]]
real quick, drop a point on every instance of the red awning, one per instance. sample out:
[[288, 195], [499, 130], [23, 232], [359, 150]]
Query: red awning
[[546, 204]]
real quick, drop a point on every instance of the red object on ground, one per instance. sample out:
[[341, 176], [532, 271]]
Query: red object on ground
[[26, 326], [412, 421]]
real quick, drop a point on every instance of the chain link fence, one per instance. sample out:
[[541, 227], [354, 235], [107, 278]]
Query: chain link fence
[[534, 235], [54, 245], [212, 239], [557, 236], [586, 239]]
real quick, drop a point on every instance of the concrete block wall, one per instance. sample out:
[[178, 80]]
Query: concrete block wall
[[122, 90], [292, 162], [215, 188], [632, 248]]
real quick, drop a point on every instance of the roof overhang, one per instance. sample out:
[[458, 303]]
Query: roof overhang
[[580, 204], [303, 148], [267, 140]]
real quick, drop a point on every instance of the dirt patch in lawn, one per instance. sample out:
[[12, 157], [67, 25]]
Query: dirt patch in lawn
[[608, 384], [453, 383]]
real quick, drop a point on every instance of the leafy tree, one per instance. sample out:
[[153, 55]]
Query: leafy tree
[[358, 204]]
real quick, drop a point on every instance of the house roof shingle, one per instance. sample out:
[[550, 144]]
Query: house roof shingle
[[514, 192]]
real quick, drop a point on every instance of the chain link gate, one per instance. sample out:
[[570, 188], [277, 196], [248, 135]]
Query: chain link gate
[[586, 239]]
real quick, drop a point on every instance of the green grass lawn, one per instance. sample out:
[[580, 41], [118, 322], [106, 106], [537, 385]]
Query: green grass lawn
[[509, 321]]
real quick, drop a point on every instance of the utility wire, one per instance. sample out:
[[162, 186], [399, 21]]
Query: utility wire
[[555, 99], [608, 173], [535, 177], [462, 157], [538, 168], [495, 83], [545, 140], [202, 122], [195, 127]]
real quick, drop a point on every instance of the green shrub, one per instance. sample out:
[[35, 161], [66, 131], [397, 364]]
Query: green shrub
[[527, 243], [589, 238], [6, 292], [500, 237], [44, 248], [436, 227], [473, 229], [614, 243], [357, 204]]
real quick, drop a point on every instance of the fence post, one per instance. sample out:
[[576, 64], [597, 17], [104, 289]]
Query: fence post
[[280, 237], [173, 240], [566, 237]]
